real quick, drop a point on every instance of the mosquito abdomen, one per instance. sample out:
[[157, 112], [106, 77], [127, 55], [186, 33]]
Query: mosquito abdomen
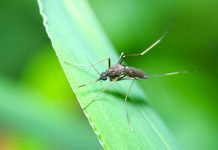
[[135, 73]]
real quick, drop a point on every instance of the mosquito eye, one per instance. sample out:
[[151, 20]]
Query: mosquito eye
[[104, 79]]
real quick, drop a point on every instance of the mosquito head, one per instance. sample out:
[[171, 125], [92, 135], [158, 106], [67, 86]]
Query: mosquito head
[[104, 76]]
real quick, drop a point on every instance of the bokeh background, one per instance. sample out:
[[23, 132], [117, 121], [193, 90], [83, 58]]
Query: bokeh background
[[38, 109]]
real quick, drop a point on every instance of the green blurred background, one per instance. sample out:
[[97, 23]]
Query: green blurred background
[[38, 109]]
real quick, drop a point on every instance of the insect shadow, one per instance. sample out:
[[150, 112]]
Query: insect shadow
[[137, 99], [119, 72]]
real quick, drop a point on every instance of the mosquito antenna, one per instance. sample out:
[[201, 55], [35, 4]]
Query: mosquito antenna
[[167, 74], [92, 65], [91, 82]]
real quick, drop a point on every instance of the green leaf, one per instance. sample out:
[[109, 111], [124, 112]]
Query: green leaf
[[75, 34]]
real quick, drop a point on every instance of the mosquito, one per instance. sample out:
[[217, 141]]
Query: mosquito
[[119, 71]]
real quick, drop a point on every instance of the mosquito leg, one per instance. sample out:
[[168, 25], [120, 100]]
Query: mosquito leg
[[127, 114], [88, 65], [123, 56], [91, 82], [109, 62], [168, 74], [102, 91]]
